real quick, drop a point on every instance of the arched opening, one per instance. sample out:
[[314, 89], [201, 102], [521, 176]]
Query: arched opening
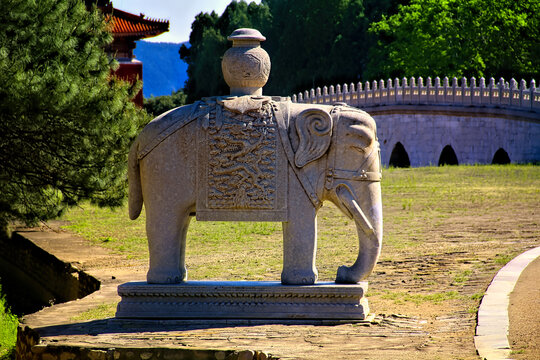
[[448, 156], [501, 157], [399, 157]]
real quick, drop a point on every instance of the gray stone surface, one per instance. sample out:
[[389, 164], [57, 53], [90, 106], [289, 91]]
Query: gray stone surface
[[474, 134], [242, 300], [475, 120], [491, 339], [249, 157], [246, 66]]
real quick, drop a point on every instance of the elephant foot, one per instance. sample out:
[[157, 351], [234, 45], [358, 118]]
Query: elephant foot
[[299, 277], [166, 277], [349, 275]]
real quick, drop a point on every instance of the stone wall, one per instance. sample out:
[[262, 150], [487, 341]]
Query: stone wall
[[28, 348], [34, 278], [475, 135], [420, 119]]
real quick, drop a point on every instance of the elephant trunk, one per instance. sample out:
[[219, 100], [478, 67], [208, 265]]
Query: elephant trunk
[[134, 178], [369, 231]]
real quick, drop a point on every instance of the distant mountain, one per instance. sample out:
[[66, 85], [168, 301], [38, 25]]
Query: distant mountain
[[163, 71]]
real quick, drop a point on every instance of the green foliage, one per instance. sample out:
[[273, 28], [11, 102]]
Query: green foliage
[[208, 40], [459, 38], [8, 329], [321, 42], [65, 124], [157, 105], [310, 43]]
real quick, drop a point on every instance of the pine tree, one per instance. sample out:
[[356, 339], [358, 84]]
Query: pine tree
[[65, 122], [157, 105]]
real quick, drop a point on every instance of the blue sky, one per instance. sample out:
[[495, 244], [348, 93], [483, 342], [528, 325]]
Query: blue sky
[[180, 14]]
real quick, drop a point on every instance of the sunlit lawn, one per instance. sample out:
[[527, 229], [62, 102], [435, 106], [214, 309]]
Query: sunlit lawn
[[488, 214], [415, 202]]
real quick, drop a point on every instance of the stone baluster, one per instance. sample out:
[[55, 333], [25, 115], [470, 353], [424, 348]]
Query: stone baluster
[[501, 87], [446, 85], [390, 92], [359, 99], [345, 95], [318, 95], [463, 98], [367, 94], [339, 95], [534, 103], [306, 97], [412, 89], [522, 90], [352, 95], [294, 98], [514, 93], [429, 90], [474, 91], [332, 95], [404, 90], [326, 97], [454, 90], [492, 90], [397, 91], [422, 92], [382, 93], [438, 98], [482, 90], [312, 99]]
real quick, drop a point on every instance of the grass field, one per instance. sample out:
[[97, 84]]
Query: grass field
[[416, 203], [447, 231], [8, 329]]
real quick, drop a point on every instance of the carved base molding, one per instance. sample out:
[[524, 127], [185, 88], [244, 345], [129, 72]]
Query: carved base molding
[[242, 300]]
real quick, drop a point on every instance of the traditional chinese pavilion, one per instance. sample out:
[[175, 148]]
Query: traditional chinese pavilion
[[126, 29]]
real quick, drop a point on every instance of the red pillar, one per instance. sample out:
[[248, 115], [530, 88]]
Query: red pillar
[[131, 70]]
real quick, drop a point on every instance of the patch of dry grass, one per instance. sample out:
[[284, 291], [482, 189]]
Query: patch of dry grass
[[427, 211]]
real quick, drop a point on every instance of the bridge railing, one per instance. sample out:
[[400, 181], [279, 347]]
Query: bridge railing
[[414, 91]]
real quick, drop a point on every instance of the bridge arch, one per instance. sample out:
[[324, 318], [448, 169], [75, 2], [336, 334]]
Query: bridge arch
[[500, 157], [477, 119], [399, 157], [448, 156]]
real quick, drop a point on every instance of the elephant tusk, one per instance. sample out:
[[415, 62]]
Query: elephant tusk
[[354, 211]]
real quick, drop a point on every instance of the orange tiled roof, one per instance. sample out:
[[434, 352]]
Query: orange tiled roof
[[131, 25]]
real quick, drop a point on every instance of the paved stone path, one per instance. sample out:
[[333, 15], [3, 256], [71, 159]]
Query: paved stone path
[[493, 323], [383, 337]]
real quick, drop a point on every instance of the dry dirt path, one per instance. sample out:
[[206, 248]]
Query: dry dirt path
[[524, 314], [410, 321]]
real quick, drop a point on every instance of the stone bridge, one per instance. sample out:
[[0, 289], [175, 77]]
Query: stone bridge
[[421, 124]]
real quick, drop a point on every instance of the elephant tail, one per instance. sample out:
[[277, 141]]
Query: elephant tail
[[134, 178]]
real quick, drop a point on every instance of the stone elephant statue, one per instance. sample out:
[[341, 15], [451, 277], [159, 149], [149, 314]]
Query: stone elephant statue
[[257, 158]]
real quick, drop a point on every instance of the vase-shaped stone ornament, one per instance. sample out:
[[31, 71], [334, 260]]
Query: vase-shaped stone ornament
[[246, 66]]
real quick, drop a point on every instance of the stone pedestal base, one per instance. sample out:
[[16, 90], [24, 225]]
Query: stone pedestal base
[[242, 300]]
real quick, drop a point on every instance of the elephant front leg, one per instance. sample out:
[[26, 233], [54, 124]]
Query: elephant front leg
[[300, 242], [167, 243]]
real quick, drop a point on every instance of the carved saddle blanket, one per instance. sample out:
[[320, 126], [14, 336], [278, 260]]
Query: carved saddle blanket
[[242, 169]]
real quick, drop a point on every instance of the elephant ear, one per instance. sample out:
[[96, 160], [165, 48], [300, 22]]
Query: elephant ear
[[314, 128]]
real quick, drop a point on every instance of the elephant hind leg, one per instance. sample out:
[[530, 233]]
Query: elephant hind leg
[[167, 244]]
